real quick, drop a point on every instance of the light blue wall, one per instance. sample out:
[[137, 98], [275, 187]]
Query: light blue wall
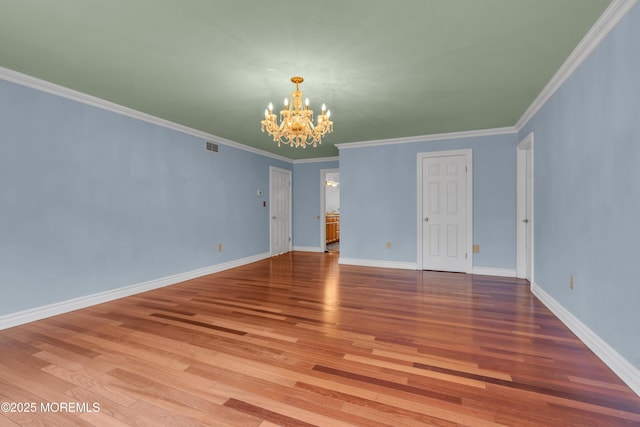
[[378, 199], [306, 205], [91, 200], [587, 190]]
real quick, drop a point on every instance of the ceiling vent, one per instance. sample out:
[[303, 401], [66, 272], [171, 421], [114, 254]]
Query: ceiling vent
[[210, 146]]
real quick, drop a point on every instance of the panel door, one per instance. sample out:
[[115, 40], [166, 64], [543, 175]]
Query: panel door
[[444, 213], [524, 238], [280, 197]]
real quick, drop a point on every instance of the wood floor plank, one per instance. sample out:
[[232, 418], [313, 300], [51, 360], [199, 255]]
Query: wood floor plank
[[301, 340]]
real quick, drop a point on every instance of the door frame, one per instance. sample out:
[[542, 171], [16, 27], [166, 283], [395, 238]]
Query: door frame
[[323, 207], [521, 202], [468, 152], [273, 169]]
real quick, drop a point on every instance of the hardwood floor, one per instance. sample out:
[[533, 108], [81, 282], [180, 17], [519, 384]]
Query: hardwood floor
[[298, 340]]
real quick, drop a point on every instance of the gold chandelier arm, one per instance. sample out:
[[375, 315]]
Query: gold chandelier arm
[[295, 126]]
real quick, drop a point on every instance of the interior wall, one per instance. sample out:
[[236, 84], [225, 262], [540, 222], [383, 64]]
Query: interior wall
[[587, 198], [306, 206], [91, 200], [378, 192]]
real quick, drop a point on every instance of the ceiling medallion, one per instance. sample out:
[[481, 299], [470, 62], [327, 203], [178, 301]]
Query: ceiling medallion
[[295, 126]]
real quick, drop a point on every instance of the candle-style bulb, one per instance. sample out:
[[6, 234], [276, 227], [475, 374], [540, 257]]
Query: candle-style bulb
[[324, 107], [306, 102], [270, 107], [328, 113], [286, 102]]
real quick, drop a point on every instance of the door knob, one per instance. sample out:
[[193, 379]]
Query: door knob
[[426, 219], [275, 217], [525, 220]]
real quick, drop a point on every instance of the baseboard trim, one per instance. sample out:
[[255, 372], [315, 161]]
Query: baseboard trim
[[307, 249], [378, 263], [488, 271], [33, 314], [618, 364]]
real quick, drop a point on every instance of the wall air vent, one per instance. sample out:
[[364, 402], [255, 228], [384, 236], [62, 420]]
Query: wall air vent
[[210, 146]]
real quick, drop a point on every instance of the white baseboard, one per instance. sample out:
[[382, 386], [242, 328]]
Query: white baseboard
[[378, 263], [33, 314], [307, 249], [488, 271], [618, 364]]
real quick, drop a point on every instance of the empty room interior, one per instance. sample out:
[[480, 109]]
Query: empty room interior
[[346, 213]]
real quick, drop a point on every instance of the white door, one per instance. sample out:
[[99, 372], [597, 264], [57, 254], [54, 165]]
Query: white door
[[445, 215], [524, 252], [280, 211]]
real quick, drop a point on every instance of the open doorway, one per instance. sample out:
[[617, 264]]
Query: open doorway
[[330, 210]]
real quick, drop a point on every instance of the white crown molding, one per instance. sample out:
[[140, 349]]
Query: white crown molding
[[31, 315], [65, 92], [618, 364], [429, 138], [316, 160], [378, 263], [607, 21]]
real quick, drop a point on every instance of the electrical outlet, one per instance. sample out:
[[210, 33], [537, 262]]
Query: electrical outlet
[[388, 245], [219, 247], [571, 283]]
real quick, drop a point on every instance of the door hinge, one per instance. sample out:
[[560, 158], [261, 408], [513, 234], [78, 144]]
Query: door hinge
[[465, 255], [466, 169]]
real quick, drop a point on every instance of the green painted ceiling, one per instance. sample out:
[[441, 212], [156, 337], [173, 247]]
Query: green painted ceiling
[[386, 69]]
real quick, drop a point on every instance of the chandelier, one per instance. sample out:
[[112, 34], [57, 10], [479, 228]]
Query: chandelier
[[295, 126]]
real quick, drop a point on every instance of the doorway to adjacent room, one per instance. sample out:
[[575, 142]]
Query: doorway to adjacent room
[[330, 210]]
